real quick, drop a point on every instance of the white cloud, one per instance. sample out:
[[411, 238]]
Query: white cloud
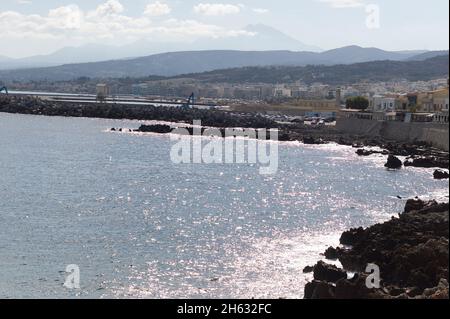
[[110, 7], [157, 9], [260, 10], [217, 9], [107, 23], [344, 3], [68, 17]]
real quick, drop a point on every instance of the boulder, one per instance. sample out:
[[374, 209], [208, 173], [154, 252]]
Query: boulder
[[363, 152], [440, 174], [308, 269], [352, 236], [319, 290], [393, 162], [328, 273], [332, 253]]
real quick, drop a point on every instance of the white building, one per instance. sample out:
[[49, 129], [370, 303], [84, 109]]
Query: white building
[[282, 91], [379, 103]]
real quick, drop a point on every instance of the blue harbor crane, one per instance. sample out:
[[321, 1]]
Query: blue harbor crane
[[190, 102], [4, 89]]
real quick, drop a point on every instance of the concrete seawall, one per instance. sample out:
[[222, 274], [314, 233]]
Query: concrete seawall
[[433, 133]]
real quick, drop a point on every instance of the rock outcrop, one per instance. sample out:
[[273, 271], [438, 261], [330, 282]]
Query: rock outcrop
[[440, 174], [411, 252], [393, 162], [328, 273], [427, 162], [161, 129], [365, 152]]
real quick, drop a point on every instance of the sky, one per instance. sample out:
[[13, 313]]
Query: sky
[[32, 27]]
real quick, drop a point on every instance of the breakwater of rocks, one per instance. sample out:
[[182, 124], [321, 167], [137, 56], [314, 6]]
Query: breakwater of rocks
[[36, 106]]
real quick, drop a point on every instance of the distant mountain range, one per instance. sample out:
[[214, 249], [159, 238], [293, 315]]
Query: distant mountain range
[[432, 68], [427, 55], [172, 64], [258, 38]]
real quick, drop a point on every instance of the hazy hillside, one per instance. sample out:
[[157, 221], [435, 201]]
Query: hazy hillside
[[262, 38], [436, 67], [172, 64], [428, 55], [356, 54], [4, 59]]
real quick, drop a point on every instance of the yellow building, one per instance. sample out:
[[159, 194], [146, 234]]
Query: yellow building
[[434, 101], [319, 105]]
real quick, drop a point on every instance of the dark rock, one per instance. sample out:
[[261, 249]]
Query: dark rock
[[440, 174], [161, 129], [308, 269], [312, 140], [344, 141], [414, 292], [328, 273], [352, 236], [284, 137], [428, 162], [364, 152], [418, 205], [319, 290], [393, 162], [355, 288], [331, 253], [113, 129], [396, 291], [438, 292]]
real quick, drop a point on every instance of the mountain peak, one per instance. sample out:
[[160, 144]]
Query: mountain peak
[[278, 39], [262, 28]]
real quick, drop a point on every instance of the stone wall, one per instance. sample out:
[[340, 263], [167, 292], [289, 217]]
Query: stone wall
[[434, 133]]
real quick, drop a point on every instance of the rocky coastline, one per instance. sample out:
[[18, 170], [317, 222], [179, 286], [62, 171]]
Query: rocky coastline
[[411, 252], [419, 154]]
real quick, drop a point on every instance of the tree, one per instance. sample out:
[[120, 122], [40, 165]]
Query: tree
[[357, 103]]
